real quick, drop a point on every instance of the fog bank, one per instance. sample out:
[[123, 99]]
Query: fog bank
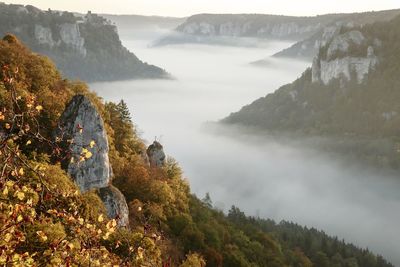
[[262, 176]]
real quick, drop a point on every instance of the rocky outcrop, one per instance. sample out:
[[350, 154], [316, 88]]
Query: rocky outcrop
[[339, 62], [341, 43], [115, 204], [156, 155], [85, 145], [83, 126]]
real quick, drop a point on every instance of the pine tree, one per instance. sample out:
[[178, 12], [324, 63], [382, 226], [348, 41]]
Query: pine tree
[[124, 111]]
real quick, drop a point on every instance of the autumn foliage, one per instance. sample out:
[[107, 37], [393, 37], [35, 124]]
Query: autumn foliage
[[46, 221]]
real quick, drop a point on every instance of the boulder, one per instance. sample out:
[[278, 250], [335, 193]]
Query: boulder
[[84, 138], [115, 204]]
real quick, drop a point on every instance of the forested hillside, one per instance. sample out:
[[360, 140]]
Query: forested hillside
[[45, 219], [351, 93], [83, 47]]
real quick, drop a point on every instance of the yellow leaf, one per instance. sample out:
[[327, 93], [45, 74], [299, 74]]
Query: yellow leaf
[[5, 191], [42, 235], [3, 259], [105, 237], [100, 219], [39, 108], [21, 171], [88, 155], [70, 246], [92, 143], [19, 218], [20, 195], [7, 237], [28, 142]]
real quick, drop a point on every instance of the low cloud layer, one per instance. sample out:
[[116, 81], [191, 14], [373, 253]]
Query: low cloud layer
[[278, 180]]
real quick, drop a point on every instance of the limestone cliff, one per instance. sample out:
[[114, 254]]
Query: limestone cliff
[[337, 60], [85, 47], [85, 147], [70, 37]]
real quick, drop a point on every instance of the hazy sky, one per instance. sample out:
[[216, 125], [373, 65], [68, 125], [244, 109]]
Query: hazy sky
[[189, 7]]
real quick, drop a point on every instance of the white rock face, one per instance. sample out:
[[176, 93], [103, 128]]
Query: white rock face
[[326, 69], [43, 35], [389, 115], [344, 66], [70, 35], [115, 204], [22, 9], [231, 28], [82, 123], [342, 42], [327, 35]]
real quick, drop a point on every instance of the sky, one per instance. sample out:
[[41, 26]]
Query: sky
[[182, 8]]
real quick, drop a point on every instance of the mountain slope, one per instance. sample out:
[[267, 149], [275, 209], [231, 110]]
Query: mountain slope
[[86, 48], [310, 32], [351, 91]]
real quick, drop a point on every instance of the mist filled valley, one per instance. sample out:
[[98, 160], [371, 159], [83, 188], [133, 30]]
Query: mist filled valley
[[281, 180], [218, 139]]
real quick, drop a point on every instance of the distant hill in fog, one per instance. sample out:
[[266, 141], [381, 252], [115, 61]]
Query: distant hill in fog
[[308, 48], [139, 21], [351, 93], [85, 47], [199, 28]]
